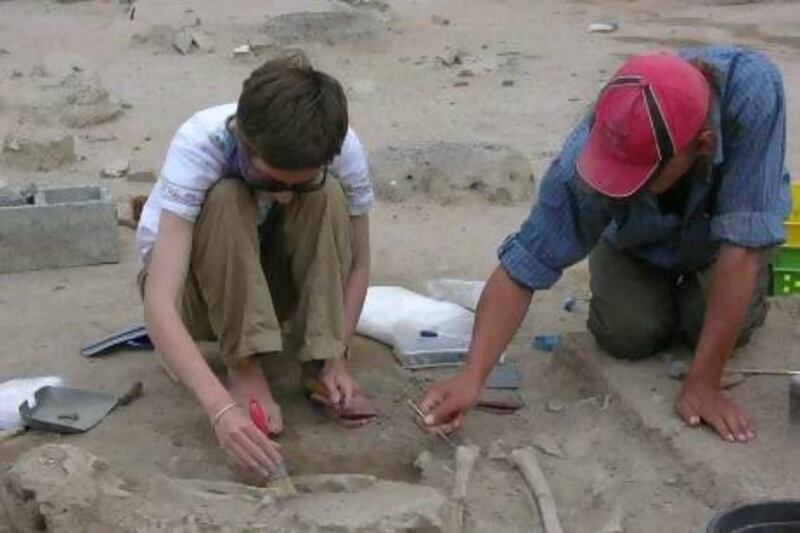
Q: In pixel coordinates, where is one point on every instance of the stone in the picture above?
(202, 41)
(86, 102)
(116, 169)
(39, 149)
(183, 42)
(67, 489)
(548, 445)
(499, 450)
(440, 21)
(603, 27)
(10, 197)
(555, 406)
(63, 227)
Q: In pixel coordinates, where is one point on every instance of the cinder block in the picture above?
(64, 227)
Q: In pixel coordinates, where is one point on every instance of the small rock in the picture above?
(10, 197)
(603, 27)
(242, 51)
(116, 169)
(461, 84)
(203, 41)
(440, 21)
(466, 73)
(183, 41)
(507, 83)
(555, 406)
(456, 57)
(729, 381)
(677, 370)
(141, 176)
(548, 445)
(423, 460)
(498, 450)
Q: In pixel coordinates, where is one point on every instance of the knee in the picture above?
(330, 197)
(631, 337)
(229, 193)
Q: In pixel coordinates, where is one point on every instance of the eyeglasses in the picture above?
(273, 185)
(262, 182)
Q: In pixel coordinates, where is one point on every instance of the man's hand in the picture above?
(445, 403)
(341, 387)
(246, 444)
(701, 401)
(732, 288)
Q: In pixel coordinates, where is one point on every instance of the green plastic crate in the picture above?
(787, 259)
(785, 282)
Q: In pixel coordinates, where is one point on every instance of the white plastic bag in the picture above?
(14, 392)
(393, 312)
(461, 292)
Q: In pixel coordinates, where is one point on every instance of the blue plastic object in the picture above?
(546, 343)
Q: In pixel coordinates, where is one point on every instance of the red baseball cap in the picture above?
(654, 105)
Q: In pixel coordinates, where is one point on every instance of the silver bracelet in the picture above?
(222, 412)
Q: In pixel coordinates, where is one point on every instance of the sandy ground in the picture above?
(407, 105)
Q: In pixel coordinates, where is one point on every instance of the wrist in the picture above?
(703, 371)
(473, 375)
(214, 402)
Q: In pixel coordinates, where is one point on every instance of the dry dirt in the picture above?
(437, 88)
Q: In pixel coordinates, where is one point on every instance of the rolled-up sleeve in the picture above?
(753, 196)
(562, 227)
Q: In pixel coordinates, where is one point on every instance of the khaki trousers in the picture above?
(278, 287)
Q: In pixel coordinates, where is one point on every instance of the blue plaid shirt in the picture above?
(740, 197)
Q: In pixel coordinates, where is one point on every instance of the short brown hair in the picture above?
(293, 115)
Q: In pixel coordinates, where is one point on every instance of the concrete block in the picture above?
(64, 227)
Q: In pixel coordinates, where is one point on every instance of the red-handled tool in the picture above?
(257, 416)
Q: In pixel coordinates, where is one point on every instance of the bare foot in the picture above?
(247, 381)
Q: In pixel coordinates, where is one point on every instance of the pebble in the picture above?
(115, 169)
(555, 406)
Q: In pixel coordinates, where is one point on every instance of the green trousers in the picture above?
(637, 310)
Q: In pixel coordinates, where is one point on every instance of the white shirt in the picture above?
(203, 151)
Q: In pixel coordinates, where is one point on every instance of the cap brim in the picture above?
(608, 175)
